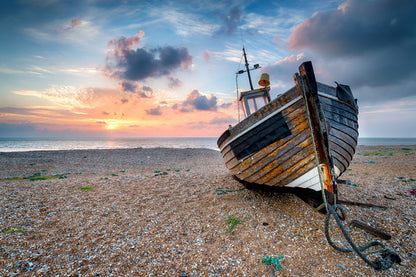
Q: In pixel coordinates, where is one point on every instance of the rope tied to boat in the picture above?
(388, 257)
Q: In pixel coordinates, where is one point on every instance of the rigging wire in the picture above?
(236, 75)
(236, 84)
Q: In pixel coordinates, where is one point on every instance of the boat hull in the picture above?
(275, 146)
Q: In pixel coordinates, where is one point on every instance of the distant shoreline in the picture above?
(50, 144)
(386, 147)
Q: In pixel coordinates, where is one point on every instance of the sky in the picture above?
(168, 68)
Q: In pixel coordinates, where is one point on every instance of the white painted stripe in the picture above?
(337, 171)
(263, 120)
(328, 96)
(309, 180)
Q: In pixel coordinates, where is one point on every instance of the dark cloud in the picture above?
(105, 113)
(226, 105)
(124, 101)
(230, 21)
(101, 122)
(363, 43)
(357, 27)
(129, 86)
(148, 89)
(195, 100)
(131, 64)
(133, 87)
(142, 94)
(155, 111)
(174, 82)
(369, 41)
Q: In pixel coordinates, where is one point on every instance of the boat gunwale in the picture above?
(227, 140)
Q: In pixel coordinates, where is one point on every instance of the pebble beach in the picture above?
(178, 212)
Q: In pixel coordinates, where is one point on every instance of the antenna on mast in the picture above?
(256, 66)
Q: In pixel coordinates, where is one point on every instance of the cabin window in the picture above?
(252, 104)
(254, 100)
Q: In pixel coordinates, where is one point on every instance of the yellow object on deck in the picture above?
(264, 80)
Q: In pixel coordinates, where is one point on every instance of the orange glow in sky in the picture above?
(168, 68)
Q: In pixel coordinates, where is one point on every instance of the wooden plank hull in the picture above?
(274, 146)
(342, 118)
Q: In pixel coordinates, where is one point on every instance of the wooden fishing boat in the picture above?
(301, 141)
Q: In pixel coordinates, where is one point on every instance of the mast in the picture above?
(247, 69)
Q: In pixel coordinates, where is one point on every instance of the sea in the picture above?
(40, 144)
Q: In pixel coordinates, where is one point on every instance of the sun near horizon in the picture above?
(111, 127)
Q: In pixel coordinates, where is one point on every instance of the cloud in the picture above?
(39, 112)
(129, 86)
(195, 100)
(369, 42)
(154, 111)
(281, 72)
(80, 71)
(133, 87)
(365, 44)
(215, 123)
(11, 71)
(66, 96)
(77, 99)
(74, 23)
(148, 89)
(127, 63)
(206, 55)
(174, 82)
(186, 24)
(123, 44)
(36, 70)
(356, 28)
(77, 30)
(226, 105)
(230, 21)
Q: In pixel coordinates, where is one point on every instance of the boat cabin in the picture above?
(253, 100)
